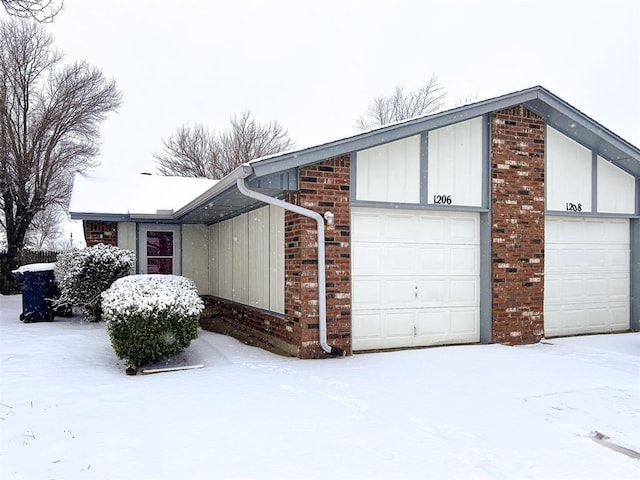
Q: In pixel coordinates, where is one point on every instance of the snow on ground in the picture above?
(67, 410)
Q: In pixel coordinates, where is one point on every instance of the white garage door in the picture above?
(586, 276)
(415, 278)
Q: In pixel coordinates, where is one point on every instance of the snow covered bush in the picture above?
(82, 276)
(151, 316)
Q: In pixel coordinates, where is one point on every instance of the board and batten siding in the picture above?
(390, 172)
(454, 164)
(195, 254)
(246, 261)
(568, 173)
(616, 189)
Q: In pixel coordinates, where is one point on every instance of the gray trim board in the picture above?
(354, 175)
(594, 182)
(417, 206)
(486, 160)
(634, 297)
(424, 168)
(486, 294)
(562, 213)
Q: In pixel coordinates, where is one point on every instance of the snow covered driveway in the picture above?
(68, 411)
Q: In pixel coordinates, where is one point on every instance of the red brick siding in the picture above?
(323, 186)
(517, 211)
(100, 232)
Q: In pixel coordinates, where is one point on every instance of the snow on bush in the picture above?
(82, 276)
(151, 316)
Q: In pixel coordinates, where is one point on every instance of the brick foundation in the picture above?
(517, 212)
(251, 322)
(100, 232)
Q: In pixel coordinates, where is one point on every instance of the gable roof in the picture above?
(276, 174)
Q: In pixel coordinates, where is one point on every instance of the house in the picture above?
(506, 221)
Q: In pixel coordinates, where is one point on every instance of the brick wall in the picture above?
(100, 232)
(517, 211)
(323, 186)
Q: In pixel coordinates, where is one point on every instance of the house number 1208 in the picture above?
(574, 207)
(442, 199)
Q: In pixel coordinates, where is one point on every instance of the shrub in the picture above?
(151, 316)
(82, 276)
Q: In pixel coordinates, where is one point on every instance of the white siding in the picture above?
(455, 164)
(390, 172)
(616, 189)
(225, 260)
(568, 173)
(240, 251)
(587, 268)
(258, 273)
(276, 259)
(195, 256)
(214, 258)
(247, 259)
(127, 238)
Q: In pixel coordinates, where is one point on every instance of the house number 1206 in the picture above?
(574, 207)
(442, 199)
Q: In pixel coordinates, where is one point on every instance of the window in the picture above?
(159, 247)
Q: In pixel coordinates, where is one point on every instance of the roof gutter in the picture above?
(322, 291)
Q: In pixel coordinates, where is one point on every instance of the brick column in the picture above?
(100, 232)
(517, 212)
(323, 186)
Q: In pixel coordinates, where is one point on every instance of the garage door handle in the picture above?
(416, 292)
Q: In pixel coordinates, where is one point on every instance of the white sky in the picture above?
(315, 66)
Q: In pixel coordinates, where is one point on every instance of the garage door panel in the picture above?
(464, 291)
(459, 325)
(366, 294)
(464, 230)
(465, 323)
(397, 293)
(367, 327)
(398, 325)
(366, 260)
(424, 269)
(587, 275)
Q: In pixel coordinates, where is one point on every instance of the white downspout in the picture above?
(322, 291)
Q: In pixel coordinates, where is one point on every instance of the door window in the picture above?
(159, 249)
(159, 252)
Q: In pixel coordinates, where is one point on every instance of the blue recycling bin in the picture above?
(37, 285)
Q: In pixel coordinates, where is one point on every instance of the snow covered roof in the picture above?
(105, 194)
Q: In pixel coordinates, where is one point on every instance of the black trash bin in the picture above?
(37, 285)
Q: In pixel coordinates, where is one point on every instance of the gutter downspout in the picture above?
(322, 292)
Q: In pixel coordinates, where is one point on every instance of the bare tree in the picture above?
(46, 228)
(39, 10)
(198, 152)
(466, 99)
(191, 152)
(49, 119)
(402, 105)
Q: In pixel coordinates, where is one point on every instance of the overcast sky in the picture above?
(315, 66)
